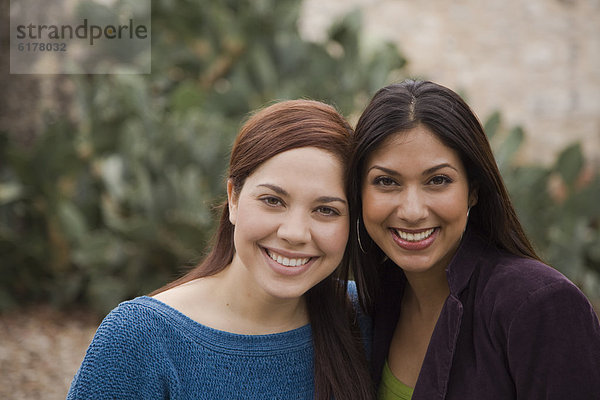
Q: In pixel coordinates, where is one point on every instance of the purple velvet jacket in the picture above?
(512, 328)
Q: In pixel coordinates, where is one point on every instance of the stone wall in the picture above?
(537, 61)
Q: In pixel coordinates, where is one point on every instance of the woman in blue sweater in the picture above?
(265, 315)
(462, 306)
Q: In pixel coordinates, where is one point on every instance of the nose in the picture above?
(412, 206)
(295, 228)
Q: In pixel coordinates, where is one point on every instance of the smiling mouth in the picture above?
(286, 261)
(414, 237)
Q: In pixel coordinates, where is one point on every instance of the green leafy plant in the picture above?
(557, 204)
(113, 203)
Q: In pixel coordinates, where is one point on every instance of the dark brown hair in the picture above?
(404, 106)
(339, 360)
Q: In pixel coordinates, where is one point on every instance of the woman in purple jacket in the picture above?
(462, 306)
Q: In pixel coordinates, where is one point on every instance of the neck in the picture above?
(250, 310)
(426, 292)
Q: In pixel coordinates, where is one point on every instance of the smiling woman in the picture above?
(290, 229)
(462, 306)
(415, 197)
(265, 315)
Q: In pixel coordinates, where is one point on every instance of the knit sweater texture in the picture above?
(145, 349)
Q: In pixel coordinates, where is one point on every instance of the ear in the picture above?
(232, 202)
(473, 195)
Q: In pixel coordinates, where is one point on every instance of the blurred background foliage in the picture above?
(557, 204)
(111, 203)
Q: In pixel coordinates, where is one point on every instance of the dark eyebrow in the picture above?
(330, 199)
(437, 167)
(426, 172)
(280, 191)
(383, 169)
(275, 188)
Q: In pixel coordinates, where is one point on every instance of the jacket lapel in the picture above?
(387, 308)
(433, 383)
(435, 372)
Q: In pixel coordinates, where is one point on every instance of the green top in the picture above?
(391, 388)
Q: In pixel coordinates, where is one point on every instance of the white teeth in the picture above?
(288, 262)
(414, 237)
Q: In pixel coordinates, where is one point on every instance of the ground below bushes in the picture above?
(40, 351)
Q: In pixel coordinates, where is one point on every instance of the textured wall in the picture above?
(538, 61)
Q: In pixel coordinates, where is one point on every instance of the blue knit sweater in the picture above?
(145, 349)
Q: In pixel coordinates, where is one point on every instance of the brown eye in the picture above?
(383, 181)
(271, 201)
(327, 211)
(440, 180)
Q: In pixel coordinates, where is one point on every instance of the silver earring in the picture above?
(358, 235)
(468, 211)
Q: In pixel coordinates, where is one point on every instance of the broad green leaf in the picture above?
(10, 192)
(72, 221)
(509, 147)
(492, 124)
(569, 164)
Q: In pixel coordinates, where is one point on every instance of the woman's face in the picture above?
(415, 197)
(291, 222)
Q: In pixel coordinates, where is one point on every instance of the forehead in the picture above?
(414, 147)
(302, 157)
(305, 167)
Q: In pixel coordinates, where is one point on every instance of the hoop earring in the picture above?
(358, 235)
(466, 224)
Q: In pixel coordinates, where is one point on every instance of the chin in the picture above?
(287, 293)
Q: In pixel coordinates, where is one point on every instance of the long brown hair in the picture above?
(339, 361)
(401, 107)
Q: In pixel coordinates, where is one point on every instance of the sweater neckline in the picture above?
(280, 342)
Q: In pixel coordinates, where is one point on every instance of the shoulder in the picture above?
(364, 321)
(352, 292)
(542, 319)
(140, 327)
(492, 271)
(513, 279)
(126, 355)
(511, 290)
(137, 315)
(131, 327)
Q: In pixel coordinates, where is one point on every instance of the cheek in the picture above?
(374, 208)
(453, 207)
(252, 225)
(333, 238)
